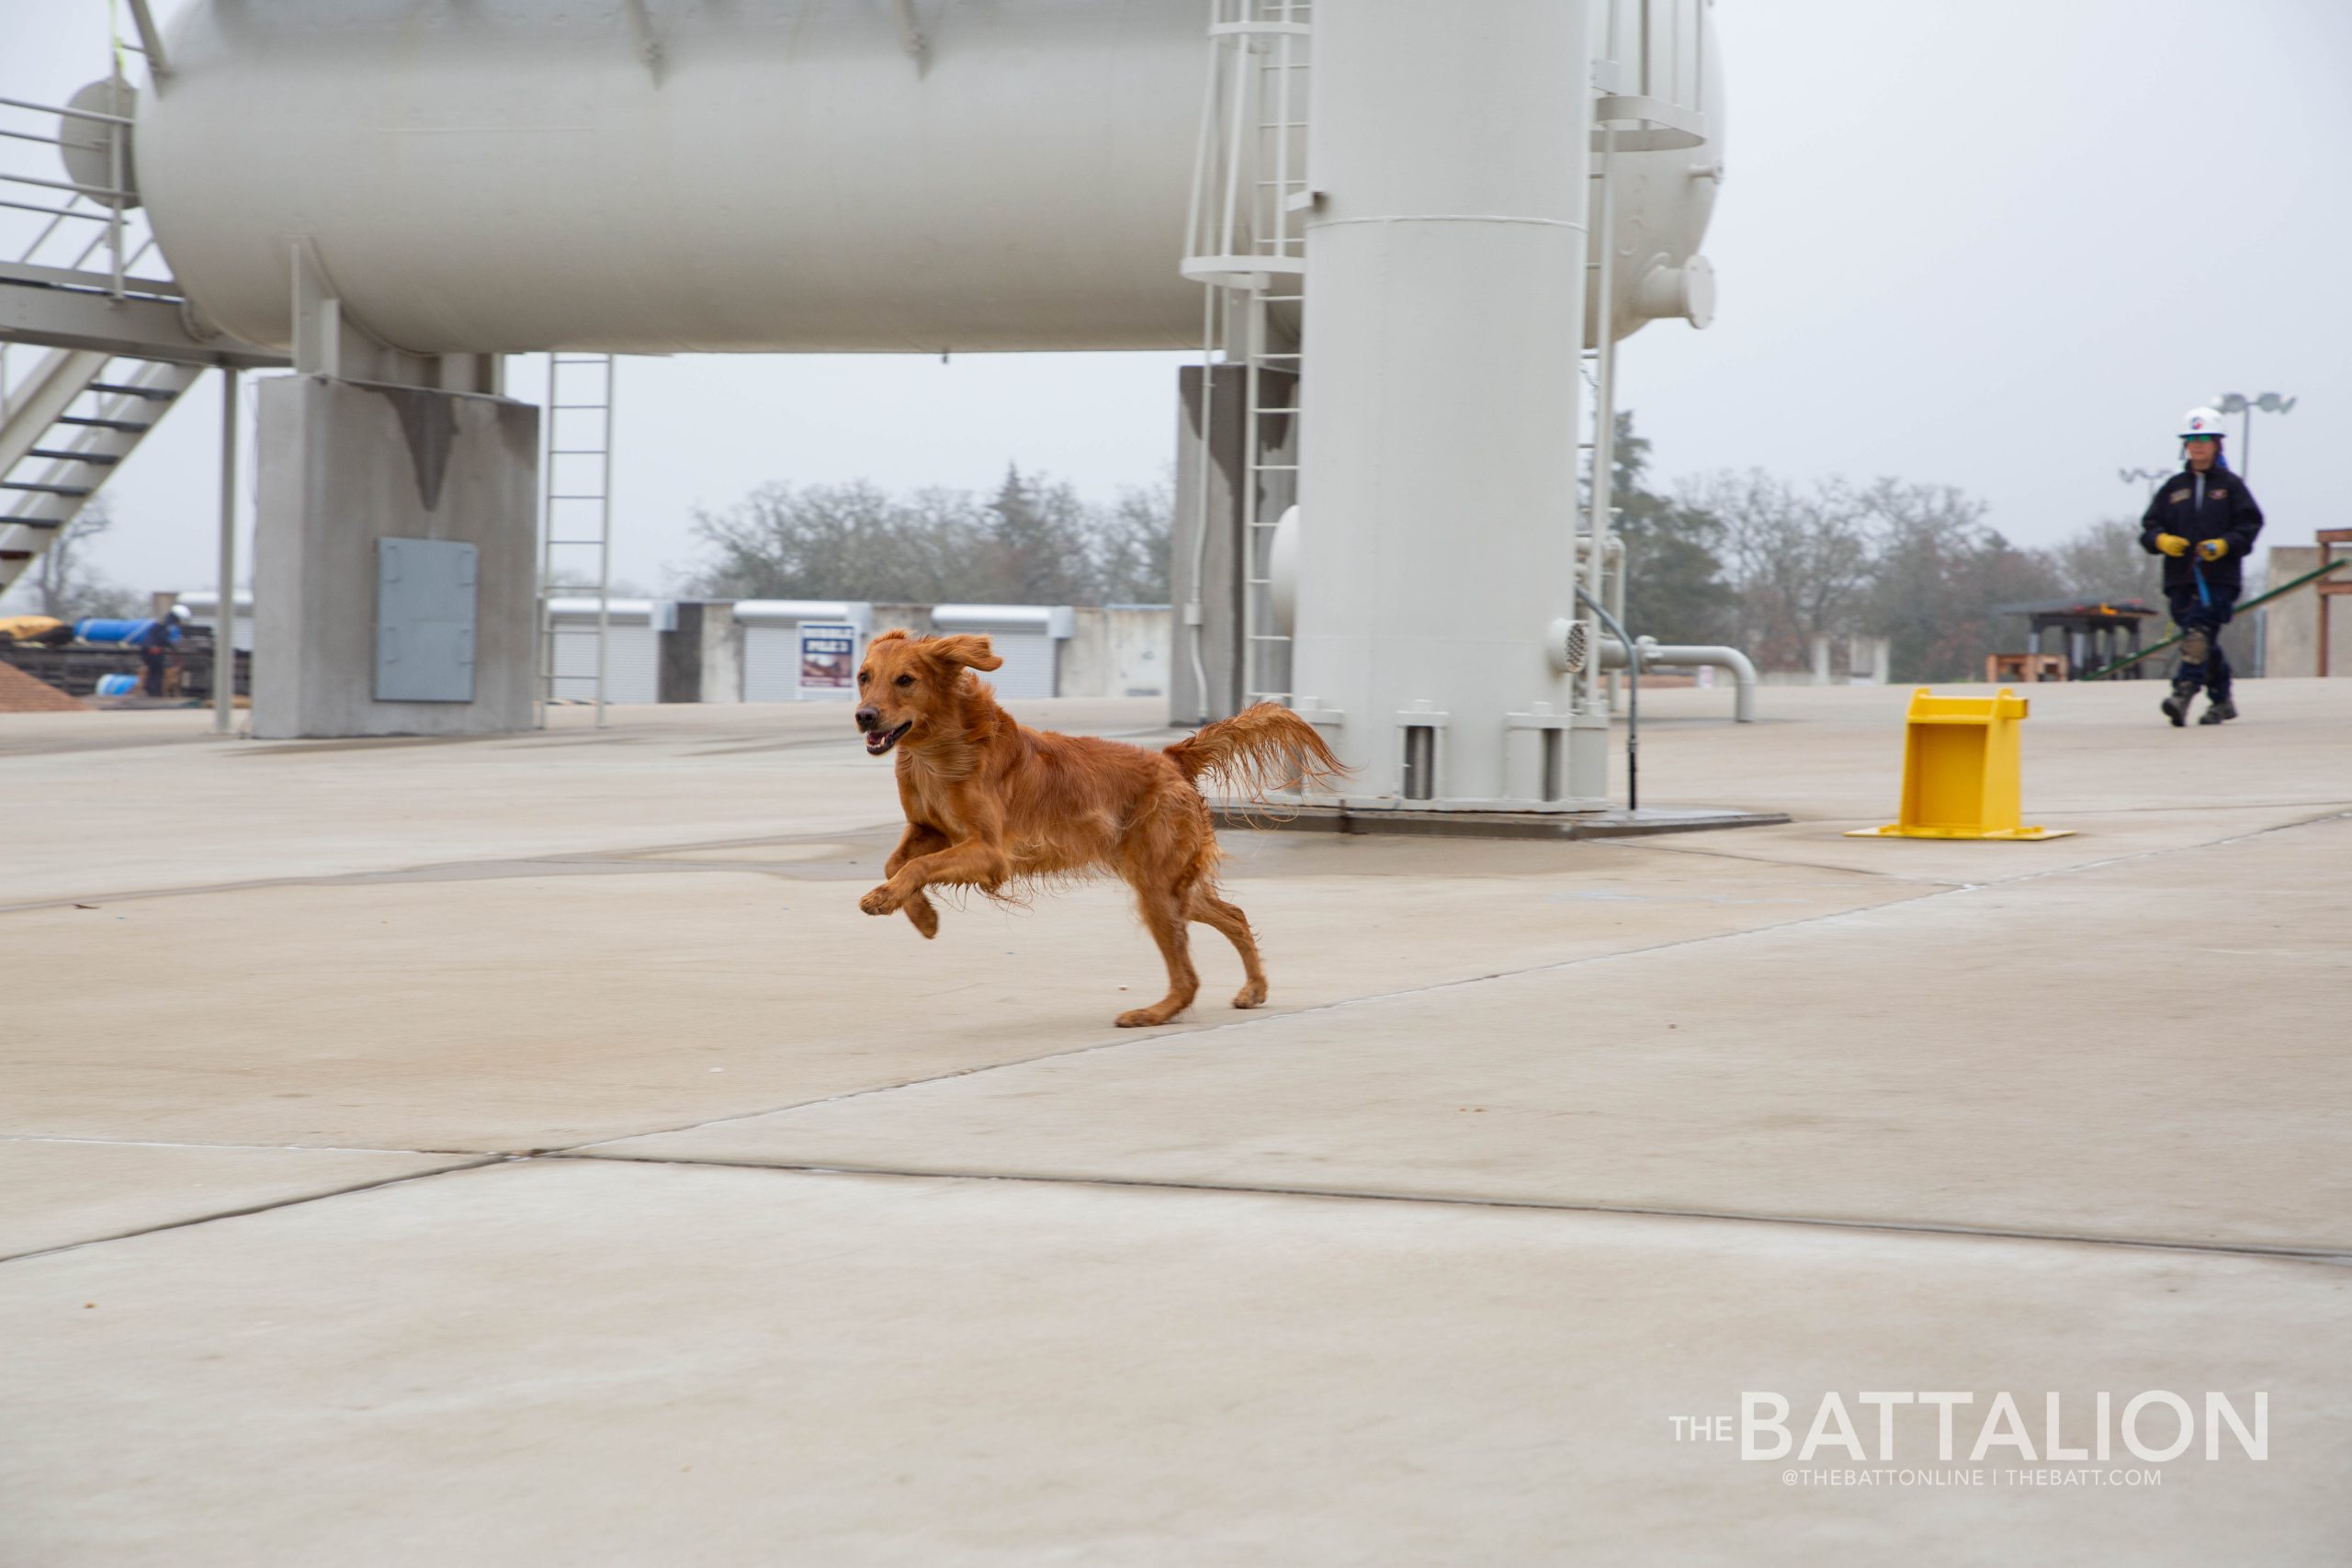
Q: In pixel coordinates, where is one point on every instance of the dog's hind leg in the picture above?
(1164, 916)
(1212, 910)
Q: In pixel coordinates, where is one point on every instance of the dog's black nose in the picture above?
(869, 717)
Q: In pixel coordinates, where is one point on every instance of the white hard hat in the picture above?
(179, 612)
(2202, 424)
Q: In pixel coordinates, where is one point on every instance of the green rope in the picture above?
(2155, 647)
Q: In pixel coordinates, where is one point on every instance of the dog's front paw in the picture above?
(920, 910)
(883, 900)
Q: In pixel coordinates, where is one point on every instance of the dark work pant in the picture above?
(2192, 615)
(153, 683)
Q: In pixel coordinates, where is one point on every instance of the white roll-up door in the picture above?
(632, 663)
(771, 664)
(1028, 656)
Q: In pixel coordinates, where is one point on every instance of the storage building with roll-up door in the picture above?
(1028, 637)
(632, 653)
(798, 650)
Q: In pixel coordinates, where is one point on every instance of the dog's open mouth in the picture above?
(880, 741)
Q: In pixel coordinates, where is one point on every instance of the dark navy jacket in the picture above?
(2225, 510)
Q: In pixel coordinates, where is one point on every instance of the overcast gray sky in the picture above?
(2000, 244)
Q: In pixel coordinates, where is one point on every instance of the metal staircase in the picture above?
(1245, 239)
(94, 350)
(78, 414)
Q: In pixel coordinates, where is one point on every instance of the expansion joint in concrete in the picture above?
(1542, 1205)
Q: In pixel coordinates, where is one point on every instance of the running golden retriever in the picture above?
(991, 804)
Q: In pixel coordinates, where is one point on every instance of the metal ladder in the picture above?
(576, 513)
(70, 424)
(1612, 565)
(1246, 241)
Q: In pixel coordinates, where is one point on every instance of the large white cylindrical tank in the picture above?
(649, 178)
(1444, 274)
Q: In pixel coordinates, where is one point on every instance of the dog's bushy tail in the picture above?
(1260, 749)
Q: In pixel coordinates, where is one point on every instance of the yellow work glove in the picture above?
(2172, 543)
(2213, 549)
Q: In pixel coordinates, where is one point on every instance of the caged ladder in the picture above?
(1245, 239)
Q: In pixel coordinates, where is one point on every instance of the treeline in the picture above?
(1766, 565)
(1034, 541)
(1763, 563)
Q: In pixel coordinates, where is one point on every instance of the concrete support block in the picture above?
(2291, 641)
(702, 654)
(1084, 668)
(1139, 641)
(342, 465)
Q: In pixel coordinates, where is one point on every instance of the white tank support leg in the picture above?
(1445, 263)
(224, 619)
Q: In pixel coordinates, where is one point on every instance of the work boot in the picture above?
(2220, 710)
(2176, 705)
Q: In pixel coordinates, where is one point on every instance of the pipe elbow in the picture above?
(1743, 670)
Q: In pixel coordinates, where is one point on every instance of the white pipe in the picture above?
(1656, 655)
(1604, 415)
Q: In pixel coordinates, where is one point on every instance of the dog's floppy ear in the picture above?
(969, 648)
(895, 634)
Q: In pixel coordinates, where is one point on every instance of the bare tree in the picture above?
(1801, 559)
(1040, 534)
(65, 585)
(1941, 576)
(1131, 545)
(1034, 541)
(2104, 560)
(834, 541)
(1915, 563)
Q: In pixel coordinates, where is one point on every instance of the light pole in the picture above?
(2239, 403)
(2151, 477)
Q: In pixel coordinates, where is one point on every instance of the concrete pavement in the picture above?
(520, 1151)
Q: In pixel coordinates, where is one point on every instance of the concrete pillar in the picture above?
(1450, 150)
(342, 466)
(722, 655)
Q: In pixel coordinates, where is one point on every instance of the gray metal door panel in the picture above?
(426, 594)
(771, 664)
(632, 663)
(1028, 656)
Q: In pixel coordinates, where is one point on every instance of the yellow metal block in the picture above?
(1959, 771)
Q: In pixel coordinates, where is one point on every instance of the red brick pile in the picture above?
(19, 693)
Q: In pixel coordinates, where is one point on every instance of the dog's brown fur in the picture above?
(991, 803)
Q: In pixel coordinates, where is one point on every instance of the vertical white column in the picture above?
(224, 618)
(1445, 266)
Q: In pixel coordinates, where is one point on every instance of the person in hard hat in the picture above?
(2203, 524)
(154, 641)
